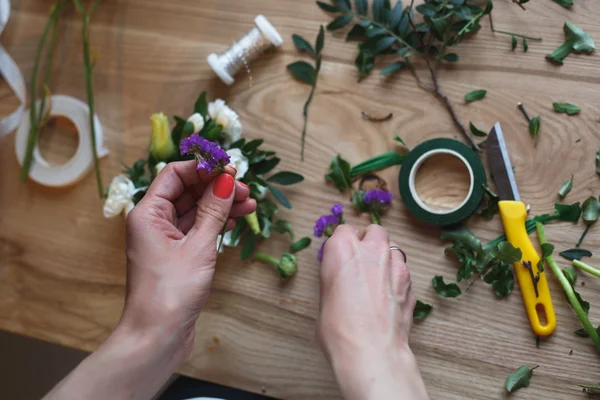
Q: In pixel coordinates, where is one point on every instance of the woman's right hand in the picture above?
(366, 314)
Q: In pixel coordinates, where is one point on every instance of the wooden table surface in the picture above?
(62, 265)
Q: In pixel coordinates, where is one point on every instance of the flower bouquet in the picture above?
(213, 135)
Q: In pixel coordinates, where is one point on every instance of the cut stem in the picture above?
(587, 268)
(266, 258)
(587, 228)
(568, 290)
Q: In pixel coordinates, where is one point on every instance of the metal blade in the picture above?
(500, 166)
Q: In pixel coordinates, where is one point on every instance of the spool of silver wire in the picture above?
(260, 38)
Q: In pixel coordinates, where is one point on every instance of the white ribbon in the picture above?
(13, 76)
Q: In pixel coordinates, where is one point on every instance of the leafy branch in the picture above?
(394, 31)
(307, 73)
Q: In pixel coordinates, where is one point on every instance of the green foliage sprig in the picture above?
(306, 73)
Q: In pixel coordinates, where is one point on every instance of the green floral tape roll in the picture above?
(413, 162)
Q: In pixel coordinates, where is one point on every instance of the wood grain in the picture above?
(62, 265)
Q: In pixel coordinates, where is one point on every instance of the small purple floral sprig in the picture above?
(325, 225)
(376, 202)
(209, 155)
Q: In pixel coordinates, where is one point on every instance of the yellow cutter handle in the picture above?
(513, 215)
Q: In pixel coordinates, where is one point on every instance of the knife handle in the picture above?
(513, 215)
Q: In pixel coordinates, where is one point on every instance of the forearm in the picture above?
(131, 364)
(386, 376)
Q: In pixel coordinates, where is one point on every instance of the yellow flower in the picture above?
(162, 147)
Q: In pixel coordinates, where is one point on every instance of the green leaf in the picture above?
(534, 126)
(303, 71)
(598, 161)
(393, 67)
(508, 253)
(582, 42)
(376, 163)
(238, 231)
(280, 197)
(365, 61)
(339, 22)
(513, 43)
(566, 212)
(547, 250)
(252, 146)
(427, 9)
(361, 6)
(300, 245)
(328, 7)
(377, 44)
(501, 278)
(303, 45)
(590, 389)
(285, 178)
(489, 204)
(475, 95)
(238, 144)
(181, 130)
(379, 11)
(283, 226)
(464, 12)
(519, 379)
(591, 210)
(399, 140)
(343, 4)
(566, 108)
(583, 333)
(445, 290)
(575, 254)
(358, 200)
(265, 166)
(451, 57)
(564, 3)
(571, 275)
(201, 105)
(525, 45)
(248, 246)
(396, 16)
(475, 131)
(320, 42)
(339, 173)
(357, 32)
(421, 310)
(265, 227)
(565, 188)
(558, 55)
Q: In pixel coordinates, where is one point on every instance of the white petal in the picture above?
(159, 167)
(128, 207)
(197, 120)
(215, 107)
(228, 242)
(239, 162)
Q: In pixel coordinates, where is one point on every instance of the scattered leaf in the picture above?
(283, 226)
(475, 95)
(583, 333)
(285, 178)
(547, 250)
(565, 188)
(476, 132)
(339, 173)
(514, 43)
(534, 127)
(598, 161)
(564, 3)
(303, 71)
(519, 379)
(591, 210)
(566, 108)
(525, 45)
(422, 310)
(575, 254)
(571, 275)
(445, 290)
(451, 57)
(399, 140)
(300, 245)
(489, 204)
(575, 39)
(568, 212)
(508, 253)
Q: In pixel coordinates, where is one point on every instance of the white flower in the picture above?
(227, 241)
(228, 119)
(198, 120)
(120, 196)
(239, 162)
(261, 191)
(159, 167)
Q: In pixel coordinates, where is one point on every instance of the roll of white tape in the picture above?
(73, 170)
(13, 76)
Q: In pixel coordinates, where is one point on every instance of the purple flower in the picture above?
(320, 252)
(324, 222)
(208, 154)
(337, 210)
(379, 197)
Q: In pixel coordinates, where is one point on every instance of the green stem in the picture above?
(87, 61)
(583, 235)
(222, 238)
(266, 258)
(305, 111)
(375, 217)
(568, 290)
(33, 118)
(382, 27)
(587, 268)
(518, 35)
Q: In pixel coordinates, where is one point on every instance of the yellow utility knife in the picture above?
(538, 303)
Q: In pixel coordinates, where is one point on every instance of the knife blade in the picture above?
(500, 165)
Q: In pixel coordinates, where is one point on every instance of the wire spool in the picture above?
(260, 38)
(407, 181)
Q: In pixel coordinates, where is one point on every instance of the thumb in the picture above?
(213, 209)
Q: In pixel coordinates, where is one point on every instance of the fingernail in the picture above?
(244, 185)
(223, 186)
(234, 170)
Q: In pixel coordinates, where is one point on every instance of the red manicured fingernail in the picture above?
(223, 186)
(234, 170)
(244, 185)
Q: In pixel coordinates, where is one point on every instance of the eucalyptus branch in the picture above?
(564, 282)
(307, 104)
(35, 118)
(88, 66)
(587, 268)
